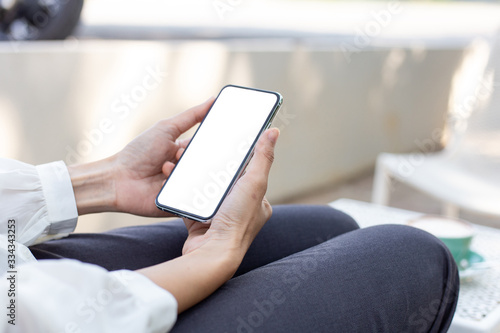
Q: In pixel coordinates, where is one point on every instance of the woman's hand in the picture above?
(245, 209)
(213, 252)
(144, 164)
(130, 180)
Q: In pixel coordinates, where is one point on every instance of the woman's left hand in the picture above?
(130, 180)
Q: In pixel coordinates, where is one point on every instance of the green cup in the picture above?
(459, 248)
(456, 234)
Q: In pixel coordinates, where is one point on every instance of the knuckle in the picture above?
(260, 182)
(269, 155)
(163, 123)
(267, 208)
(257, 184)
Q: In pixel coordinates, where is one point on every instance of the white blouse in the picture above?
(36, 204)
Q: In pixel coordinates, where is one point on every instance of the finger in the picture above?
(167, 168)
(263, 158)
(183, 142)
(188, 222)
(267, 209)
(179, 153)
(187, 119)
(194, 227)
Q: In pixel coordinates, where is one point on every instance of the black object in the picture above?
(38, 19)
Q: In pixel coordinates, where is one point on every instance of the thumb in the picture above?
(263, 158)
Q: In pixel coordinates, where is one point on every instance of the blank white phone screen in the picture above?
(211, 161)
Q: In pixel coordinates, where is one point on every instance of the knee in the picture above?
(412, 251)
(339, 217)
(323, 216)
(413, 241)
(416, 259)
(416, 237)
(428, 255)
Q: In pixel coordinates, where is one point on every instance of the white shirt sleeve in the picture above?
(39, 198)
(37, 203)
(70, 296)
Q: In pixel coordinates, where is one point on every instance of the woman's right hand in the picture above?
(213, 252)
(245, 209)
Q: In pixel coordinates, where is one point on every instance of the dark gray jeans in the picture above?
(310, 269)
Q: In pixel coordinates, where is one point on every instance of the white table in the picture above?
(478, 307)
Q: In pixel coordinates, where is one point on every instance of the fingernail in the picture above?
(273, 135)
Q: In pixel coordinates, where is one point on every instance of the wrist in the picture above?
(192, 277)
(228, 256)
(235, 241)
(94, 186)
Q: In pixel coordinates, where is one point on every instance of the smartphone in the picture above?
(218, 152)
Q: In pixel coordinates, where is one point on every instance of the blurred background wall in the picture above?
(353, 84)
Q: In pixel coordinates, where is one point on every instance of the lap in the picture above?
(380, 279)
(308, 270)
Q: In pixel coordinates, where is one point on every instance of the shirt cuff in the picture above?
(160, 304)
(59, 196)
